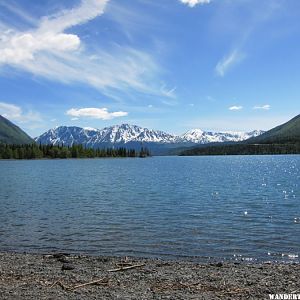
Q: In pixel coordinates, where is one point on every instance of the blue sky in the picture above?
(171, 65)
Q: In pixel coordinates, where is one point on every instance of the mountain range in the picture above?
(132, 136)
(282, 139)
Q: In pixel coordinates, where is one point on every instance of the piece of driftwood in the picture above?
(126, 268)
(98, 281)
(71, 288)
(123, 264)
(60, 284)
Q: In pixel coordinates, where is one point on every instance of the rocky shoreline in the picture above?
(64, 276)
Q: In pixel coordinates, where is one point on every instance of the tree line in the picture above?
(244, 149)
(34, 151)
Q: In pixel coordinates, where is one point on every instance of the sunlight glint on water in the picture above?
(220, 207)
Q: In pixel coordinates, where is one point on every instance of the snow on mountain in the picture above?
(110, 135)
(122, 134)
(131, 133)
(204, 137)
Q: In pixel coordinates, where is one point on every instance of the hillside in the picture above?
(288, 132)
(283, 139)
(12, 134)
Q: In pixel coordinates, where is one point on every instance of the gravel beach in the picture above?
(63, 276)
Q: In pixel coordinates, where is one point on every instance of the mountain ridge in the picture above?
(12, 134)
(126, 134)
(284, 133)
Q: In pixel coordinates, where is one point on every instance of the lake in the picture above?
(227, 207)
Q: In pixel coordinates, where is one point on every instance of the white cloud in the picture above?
(228, 62)
(23, 46)
(235, 107)
(262, 107)
(48, 51)
(86, 11)
(192, 3)
(95, 113)
(15, 113)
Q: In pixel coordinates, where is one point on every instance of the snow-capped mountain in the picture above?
(118, 134)
(129, 134)
(66, 135)
(198, 136)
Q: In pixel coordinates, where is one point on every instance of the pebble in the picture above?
(63, 260)
(67, 267)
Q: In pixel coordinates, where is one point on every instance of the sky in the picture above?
(172, 65)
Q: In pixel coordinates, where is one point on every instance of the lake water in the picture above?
(229, 207)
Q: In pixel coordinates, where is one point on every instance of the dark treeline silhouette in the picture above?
(34, 151)
(245, 149)
(144, 152)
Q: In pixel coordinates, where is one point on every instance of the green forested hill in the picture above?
(12, 134)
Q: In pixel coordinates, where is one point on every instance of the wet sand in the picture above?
(63, 276)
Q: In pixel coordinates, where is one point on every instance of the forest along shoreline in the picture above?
(64, 276)
(34, 151)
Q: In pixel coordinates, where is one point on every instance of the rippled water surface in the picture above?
(242, 207)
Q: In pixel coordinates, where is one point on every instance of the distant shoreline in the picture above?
(243, 149)
(34, 151)
(64, 276)
(63, 159)
(137, 157)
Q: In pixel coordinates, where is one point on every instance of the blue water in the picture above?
(230, 207)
